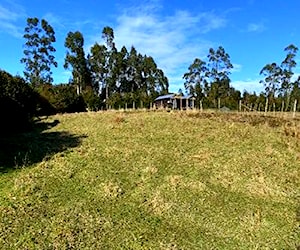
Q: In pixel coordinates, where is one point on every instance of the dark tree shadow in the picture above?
(24, 149)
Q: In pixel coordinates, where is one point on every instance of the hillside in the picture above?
(152, 180)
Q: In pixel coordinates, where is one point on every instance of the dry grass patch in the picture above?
(112, 190)
(173, 182)
(157, 204)
(260, 185)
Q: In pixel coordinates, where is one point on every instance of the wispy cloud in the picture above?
(250, 85)
(54, 20)
(236, 67)
(256, 27)
(9, 15)
(173, 40)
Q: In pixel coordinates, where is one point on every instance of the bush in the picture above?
(65, 99)
(93, 101)
(18, 102)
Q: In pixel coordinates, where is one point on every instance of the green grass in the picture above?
(152, 180)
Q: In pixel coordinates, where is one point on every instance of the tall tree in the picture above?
(120, 70)
(195, 77)
(125, 76)
(39, 58)
(97, 61)
(75, 58)
(108, 36)
(110, 60)
(153, 80)
(161, 82)
(287, 66)
(272, 73)
(132, 68)
(219, 67)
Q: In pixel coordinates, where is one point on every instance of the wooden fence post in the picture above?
(295, 108)
(266, 106)
(180, 102)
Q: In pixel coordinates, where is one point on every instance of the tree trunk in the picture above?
(295, 108)
(106, 96)
(266, 106)
(282, 106)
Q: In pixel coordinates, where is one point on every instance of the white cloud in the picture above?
(295, 76)
(236, 67)
(173, 40)
(54, 20)
(6, 14)
(250, 85)
(256, 27)
(9, 15)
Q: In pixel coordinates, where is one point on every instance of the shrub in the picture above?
(18, 102)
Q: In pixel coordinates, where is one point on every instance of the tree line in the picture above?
(103, 78)
(106, 77)
(209, 81)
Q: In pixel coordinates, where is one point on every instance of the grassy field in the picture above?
(152, 180)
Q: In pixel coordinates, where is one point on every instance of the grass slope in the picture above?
(154, 180)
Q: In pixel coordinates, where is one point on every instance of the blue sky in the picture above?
(174, 33)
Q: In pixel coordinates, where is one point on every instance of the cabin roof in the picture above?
(172, 96)
(162, 97)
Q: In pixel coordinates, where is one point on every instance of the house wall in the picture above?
(176, 103)
(165, 103)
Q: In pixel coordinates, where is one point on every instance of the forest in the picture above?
(108, 78)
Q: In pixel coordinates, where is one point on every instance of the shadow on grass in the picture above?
(23, 149)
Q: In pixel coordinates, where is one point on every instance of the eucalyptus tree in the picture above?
(97, 62)
(195, 79)
(121, 70)
(153, 79)
(162, 82)
(75, 58)
(132, 69)
(110, 60)
(272, 81)
(124, 76)
(295, 94)
(38, 53)
(218, 72)
(287, 66)
(144, 77)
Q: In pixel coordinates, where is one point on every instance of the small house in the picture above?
(175, 101)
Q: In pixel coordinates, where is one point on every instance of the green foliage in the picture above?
(38, 51)
(92, 100)
(272, 73)
(209, 81)
(75, 59)
(65, 99)
(278, 78)
(18, 103)
(125, 77)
